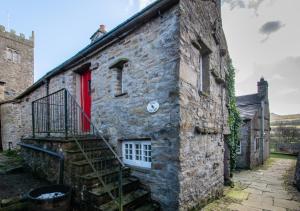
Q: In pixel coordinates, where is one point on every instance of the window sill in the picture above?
(206, 94)
(139, 169)
(122, 94)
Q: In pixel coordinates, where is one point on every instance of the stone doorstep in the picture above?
(289, 204)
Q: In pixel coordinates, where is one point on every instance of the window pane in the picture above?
(138, 152)
(147, 152)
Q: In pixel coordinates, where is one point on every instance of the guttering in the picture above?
(51, 153)
(153, 10)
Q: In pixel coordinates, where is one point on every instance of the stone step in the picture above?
(77, 155)
(87, 143)
(108, 176)
(149, 206)
(130, 201)
(100, 196)
(81, 167)
(113, 186)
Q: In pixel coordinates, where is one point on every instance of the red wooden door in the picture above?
(86, 100)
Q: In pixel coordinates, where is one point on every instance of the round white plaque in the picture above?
(153, 106)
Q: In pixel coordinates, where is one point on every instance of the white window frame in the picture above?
(131, 157)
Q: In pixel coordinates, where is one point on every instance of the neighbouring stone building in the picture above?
(253, 148)
(16, 74)
(154, 85)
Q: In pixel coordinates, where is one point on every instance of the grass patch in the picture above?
(283, 156)
(11, 153)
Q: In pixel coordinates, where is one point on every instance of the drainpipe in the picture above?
(262, 130)
(51, 153)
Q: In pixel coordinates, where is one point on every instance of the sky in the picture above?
(262, 37)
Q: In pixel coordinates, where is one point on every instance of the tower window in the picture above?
(12, 55)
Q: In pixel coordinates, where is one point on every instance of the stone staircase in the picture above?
(90, 194)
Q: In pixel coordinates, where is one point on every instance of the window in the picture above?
(239, 148)
(12, 55)
(118, 68)
(137, 153)
(119, 82)
(202, 52)
(256, 143)
(203, 80)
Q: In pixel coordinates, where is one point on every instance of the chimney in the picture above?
(262, 88)
(102, 29)
(99, 33)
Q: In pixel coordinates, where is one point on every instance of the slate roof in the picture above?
(248, 105)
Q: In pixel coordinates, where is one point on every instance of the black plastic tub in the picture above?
(50, 198)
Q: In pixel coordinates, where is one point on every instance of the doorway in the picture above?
(86, 99)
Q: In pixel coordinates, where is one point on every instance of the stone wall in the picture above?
(203, 116)
(10, 125)
(17, 66)
(150, 74)
(297, 173)
(243, 158)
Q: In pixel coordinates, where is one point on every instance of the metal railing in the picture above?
(58, 114)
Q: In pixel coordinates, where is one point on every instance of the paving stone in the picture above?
(289, 204)
(253, 190)
(238, 195)
(266, 189)
(239, 207)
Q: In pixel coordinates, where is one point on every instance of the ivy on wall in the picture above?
(234, 116)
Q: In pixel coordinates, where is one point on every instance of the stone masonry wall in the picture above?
(150, 74)
(243, 159)
(10, 124)
(17, 74)
(203, 117)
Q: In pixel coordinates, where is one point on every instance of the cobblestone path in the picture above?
(267, 188)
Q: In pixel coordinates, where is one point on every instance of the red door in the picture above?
(86, 100)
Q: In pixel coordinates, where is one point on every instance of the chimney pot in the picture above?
(102, 28)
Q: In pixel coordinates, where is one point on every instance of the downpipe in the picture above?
(51, 153)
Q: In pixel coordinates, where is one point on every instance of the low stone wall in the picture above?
(297, 173)
(289, 148)
(44, 165)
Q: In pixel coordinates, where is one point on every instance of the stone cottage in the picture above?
(253, 148)
(151, 93)
(16, 74)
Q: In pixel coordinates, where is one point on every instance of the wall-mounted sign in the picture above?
(153, 106)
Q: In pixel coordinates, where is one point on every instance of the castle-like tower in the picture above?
(16, 63)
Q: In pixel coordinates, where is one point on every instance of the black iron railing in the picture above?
(58, 114)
